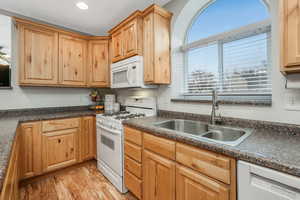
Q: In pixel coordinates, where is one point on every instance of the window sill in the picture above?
(265, 102)
(6, 88)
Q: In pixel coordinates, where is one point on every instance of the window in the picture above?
(5, 48)
(228, 49)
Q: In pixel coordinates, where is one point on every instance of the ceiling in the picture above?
(101, 16)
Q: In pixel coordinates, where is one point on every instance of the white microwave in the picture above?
(128, 73)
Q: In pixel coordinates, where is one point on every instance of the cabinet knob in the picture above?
(59, 140)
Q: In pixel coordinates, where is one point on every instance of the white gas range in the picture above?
(110, 137)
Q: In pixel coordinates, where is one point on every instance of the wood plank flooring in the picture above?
(83, 182)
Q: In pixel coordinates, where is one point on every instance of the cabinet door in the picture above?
(72, 60)
(159, 177)
(149, 51)
(31, 156)
(130, 39)
(117, 46)
(60, 149)
(98, 64)
(291, 33)
(38, 60)
(156, 31)
(88, 138)
(191, 185)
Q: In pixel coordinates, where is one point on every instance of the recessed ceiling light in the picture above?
(81, 5)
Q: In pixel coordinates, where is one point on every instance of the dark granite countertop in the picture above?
(264, 147)
(9, 122)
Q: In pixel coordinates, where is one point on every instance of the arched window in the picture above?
(228, 49)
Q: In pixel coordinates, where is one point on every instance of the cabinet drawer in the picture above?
(160, 146)
(133, 184)
(205, 162)
(61, 124)
(133, 151)
(133, 135)
(133, 167)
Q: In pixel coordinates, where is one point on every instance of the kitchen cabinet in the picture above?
(59, 149)
(170, 169)
(31, 156)
(43, 146)
(10, 187)
(133, 161)
(156, 39)
(191, 185)
(127, 37)
(99, 70)
(38, 55)
(158, 177)
(88, 138)
(49, 56)
(117, 47)
(72, 60)
(132, 33)
(290, 36)
(60, 143)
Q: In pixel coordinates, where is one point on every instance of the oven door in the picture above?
(125, 76)
(111, 148)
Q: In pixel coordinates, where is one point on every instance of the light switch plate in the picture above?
(292, 100)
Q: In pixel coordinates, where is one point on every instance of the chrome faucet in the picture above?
(215, 106)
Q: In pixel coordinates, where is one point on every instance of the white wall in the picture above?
(36, 97)
(184, 11)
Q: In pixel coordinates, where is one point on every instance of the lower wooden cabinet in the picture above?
(158, 177)
(10, 187)
(30, 143)
(172, 170)
(191, 185)
(87, 139)
(133, 184)
(60, 149)
(43, 146)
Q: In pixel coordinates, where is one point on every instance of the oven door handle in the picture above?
(113, 132)
(127, 75)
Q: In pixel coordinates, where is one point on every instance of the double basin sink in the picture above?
(220, 134)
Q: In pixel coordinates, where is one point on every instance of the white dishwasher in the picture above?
(259, 183)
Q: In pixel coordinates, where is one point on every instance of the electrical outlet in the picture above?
(292, 100)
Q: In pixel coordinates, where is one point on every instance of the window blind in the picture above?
(233, 67)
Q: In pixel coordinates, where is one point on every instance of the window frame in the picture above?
(220, 39)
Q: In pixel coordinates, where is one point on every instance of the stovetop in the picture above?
(122, 115)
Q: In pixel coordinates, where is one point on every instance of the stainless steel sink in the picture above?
(219, 134)
(186, 126)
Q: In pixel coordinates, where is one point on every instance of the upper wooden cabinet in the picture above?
(38, 55)
(98, 75)
(290, 36)
(117, 47)
(127, 37)
(72, 60)
(157, 69)
(145, 33)
(50, 56)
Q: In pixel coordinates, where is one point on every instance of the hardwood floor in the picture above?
(80, 182)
